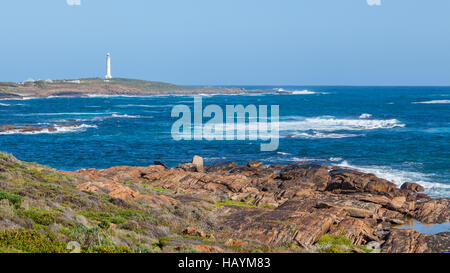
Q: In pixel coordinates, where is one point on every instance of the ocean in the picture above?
(398, 133)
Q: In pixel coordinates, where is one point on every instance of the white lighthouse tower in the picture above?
(108, 67)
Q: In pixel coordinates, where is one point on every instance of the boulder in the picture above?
(404, 241)
(197, 161)
(312, 226)
(414, 187)
(349, 181)
(435, 211)
(411, 241)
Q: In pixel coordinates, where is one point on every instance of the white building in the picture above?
(108, 67)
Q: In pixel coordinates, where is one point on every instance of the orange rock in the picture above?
(231, 243)
(207, 248)
(194, 232)
(119, 191)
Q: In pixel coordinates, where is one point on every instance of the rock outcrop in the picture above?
(226, 207)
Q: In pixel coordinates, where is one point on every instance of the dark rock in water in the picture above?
(9, 96)
(159, 163)
(25, 129)
(412, 187)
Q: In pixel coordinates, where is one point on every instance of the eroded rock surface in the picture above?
(299, 203)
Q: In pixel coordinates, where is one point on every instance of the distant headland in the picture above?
(99, 86)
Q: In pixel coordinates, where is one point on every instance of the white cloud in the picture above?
(73, 2)
(374, 2)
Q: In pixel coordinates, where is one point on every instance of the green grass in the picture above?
(338, 244)
(242, 204)
(163, 241)
(104, 217)
(39, 216)
(157, 189)
(14, 199)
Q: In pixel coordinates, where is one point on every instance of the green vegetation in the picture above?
(163, 241)
(30, 241)
(157, 189)
(338, 244)
(39, 216)
(14, 199)
(242, 204)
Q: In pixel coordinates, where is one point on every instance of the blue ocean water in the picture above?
(399, 133)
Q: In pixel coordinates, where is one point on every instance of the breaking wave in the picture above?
(319, 135)
(124, 116)
(401, 176)
(303, 92)
(335, 124)
(433, 102)
(365, 116)
(54, 130)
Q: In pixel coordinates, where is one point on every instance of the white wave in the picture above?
(73, 129)
(58, 130)
(433, 102)
(365, 116)
(4, 104)
(298, 92)
(305, 159)
(124, 116)
(335, 124)
(401, 176)
(283, 153)
(335, 159)
(319, 135)
(303, 92)
(63, 114)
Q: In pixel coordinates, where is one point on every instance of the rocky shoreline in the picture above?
(301, 207)
(100, 87)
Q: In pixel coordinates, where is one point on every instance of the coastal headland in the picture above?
(301, 207)
(97, 86)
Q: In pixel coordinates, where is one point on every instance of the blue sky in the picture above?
(224, 42)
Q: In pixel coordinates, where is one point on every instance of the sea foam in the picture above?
(401, 176)
(335, 124)
(433, 102)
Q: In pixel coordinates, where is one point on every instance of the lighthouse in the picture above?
(108, 67)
